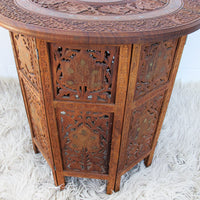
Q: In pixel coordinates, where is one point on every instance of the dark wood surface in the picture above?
(101, 22)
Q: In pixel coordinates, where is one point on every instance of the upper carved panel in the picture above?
(155, 66)
(84, 74)
(79, 18)
(126, 7)
(27, 58)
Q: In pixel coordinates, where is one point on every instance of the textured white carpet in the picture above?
(173, 175)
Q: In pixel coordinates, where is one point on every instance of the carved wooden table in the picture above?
(96, 78)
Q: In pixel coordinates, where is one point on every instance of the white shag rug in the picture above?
(173, 175)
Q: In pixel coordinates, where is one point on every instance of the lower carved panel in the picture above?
(85, 139)
(38, 121)
(142, 129)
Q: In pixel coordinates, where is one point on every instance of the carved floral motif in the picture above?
(189, 13)
(85, 140)
(119, 8)
(27, 58)
(155, 66)
(84, 74)
(28, 64)
(38, 120)
(142, 128)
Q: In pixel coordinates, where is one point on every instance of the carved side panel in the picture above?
(142, 129)
(85, 139)
(83, 74)
(155, 66)
(38, 120)
(27, 58)
(28, 68)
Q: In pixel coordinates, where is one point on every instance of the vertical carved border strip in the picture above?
(49, 108)
(23, 91)
(177, 58)
(121, 91)
(126, 123)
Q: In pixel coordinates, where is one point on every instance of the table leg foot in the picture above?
(113, 187)
(59, 180)
(35, 149)
(62, 187)
(117, 184)
(148, 160)
(110, 187)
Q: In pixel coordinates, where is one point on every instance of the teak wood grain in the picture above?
(96, 78)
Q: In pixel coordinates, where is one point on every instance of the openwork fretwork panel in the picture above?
(85, 139)
(155, 66)
(142, 128)
(27, 58)
(84, 74)
(38, 121)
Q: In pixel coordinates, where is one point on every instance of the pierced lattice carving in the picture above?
(126, 7)
(84, 74)
(155, 66)
(85, 139)
(27, 58)
(38, 120)
(142, 128)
